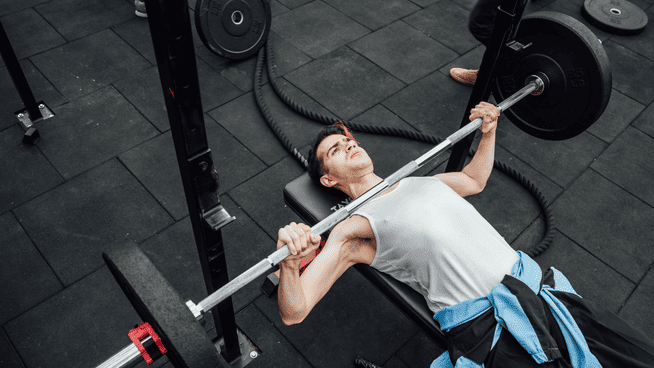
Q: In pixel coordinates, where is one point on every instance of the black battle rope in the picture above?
(270, 120)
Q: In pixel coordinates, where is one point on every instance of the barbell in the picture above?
(550, 78)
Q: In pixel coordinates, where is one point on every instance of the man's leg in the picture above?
(480, 24)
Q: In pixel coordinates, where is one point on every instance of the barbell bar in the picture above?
(535, 84)
(130, 356)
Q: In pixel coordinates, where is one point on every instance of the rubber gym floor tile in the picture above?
(561, 161)
(530, 239)
(78, 18)
(447, 23)
(352, 319)
(73, 223)
(29, 33)
(638, 309)
(345, 82)
(26, 173)
(136, 32)
(506, 205)
(631, 72)
(394, 362)
(277, 8)
(609, 223)
(374, 14)
(154, 164)
(641, 43)
(175, 254)
(85, 65)
(645, 121)
(91, 130)
(215, 90)
(79, 327)
(11, 6)
(286, 57)
(627, 162)
(145, 93)
(242, 119)
(468, 4)
(469, 60)
(21, 268)
(245, 245)
(11, 101)
(8, 355)
(275, 350)
(549, 188)
(434, 104)
(619, 113)
(317, 29)
(403, 51)
(292, 4)
(299, 130)
(420, 351)
(591, 278)
(262, 197)
(239, 72)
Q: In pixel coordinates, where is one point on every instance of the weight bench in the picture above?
(313, 203)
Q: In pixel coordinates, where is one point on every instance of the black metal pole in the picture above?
(17, 75)
(506, 23)
(170, 28)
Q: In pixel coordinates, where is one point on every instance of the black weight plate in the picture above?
(234, 29)
(578, 69)
(157, 303)
(615, 16)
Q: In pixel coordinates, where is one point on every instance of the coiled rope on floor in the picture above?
(274, 126)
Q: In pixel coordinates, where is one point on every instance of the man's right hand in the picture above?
(301, 242)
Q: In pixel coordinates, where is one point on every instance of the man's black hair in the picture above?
(315, 168)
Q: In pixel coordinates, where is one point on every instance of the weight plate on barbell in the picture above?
(576, 64)
(157, 303)
(615, 16)
(234, 29)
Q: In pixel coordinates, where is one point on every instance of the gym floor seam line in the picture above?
(636, 287)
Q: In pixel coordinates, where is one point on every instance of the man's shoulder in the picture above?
(354, 227)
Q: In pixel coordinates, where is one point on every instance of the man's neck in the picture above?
(362, 185)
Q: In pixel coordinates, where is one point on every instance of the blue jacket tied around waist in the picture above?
(515, 309)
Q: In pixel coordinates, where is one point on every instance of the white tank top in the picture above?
(436, 242)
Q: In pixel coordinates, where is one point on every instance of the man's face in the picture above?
(343, 160)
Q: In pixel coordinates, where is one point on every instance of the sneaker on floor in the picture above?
(465, 76)
(140, 8)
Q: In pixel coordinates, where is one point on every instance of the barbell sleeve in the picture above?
(130, 354)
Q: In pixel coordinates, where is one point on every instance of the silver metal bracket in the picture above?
(517, 46)
(218, 217)
(25, 119)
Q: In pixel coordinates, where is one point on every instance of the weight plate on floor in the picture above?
(234, 29)
(615, 16)
(578, 69)
(157, 303)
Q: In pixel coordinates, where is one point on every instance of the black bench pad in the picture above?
(314, 203)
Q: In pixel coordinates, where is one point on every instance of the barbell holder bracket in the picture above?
(217, 218)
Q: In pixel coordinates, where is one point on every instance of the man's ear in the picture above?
(327, 181)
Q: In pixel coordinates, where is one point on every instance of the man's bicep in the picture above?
(460, 182)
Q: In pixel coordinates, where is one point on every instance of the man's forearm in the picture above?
(292, 303)
(481, 165)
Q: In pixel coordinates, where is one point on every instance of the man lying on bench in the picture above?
(495, 305)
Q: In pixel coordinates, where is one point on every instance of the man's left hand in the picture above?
(489, 114)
